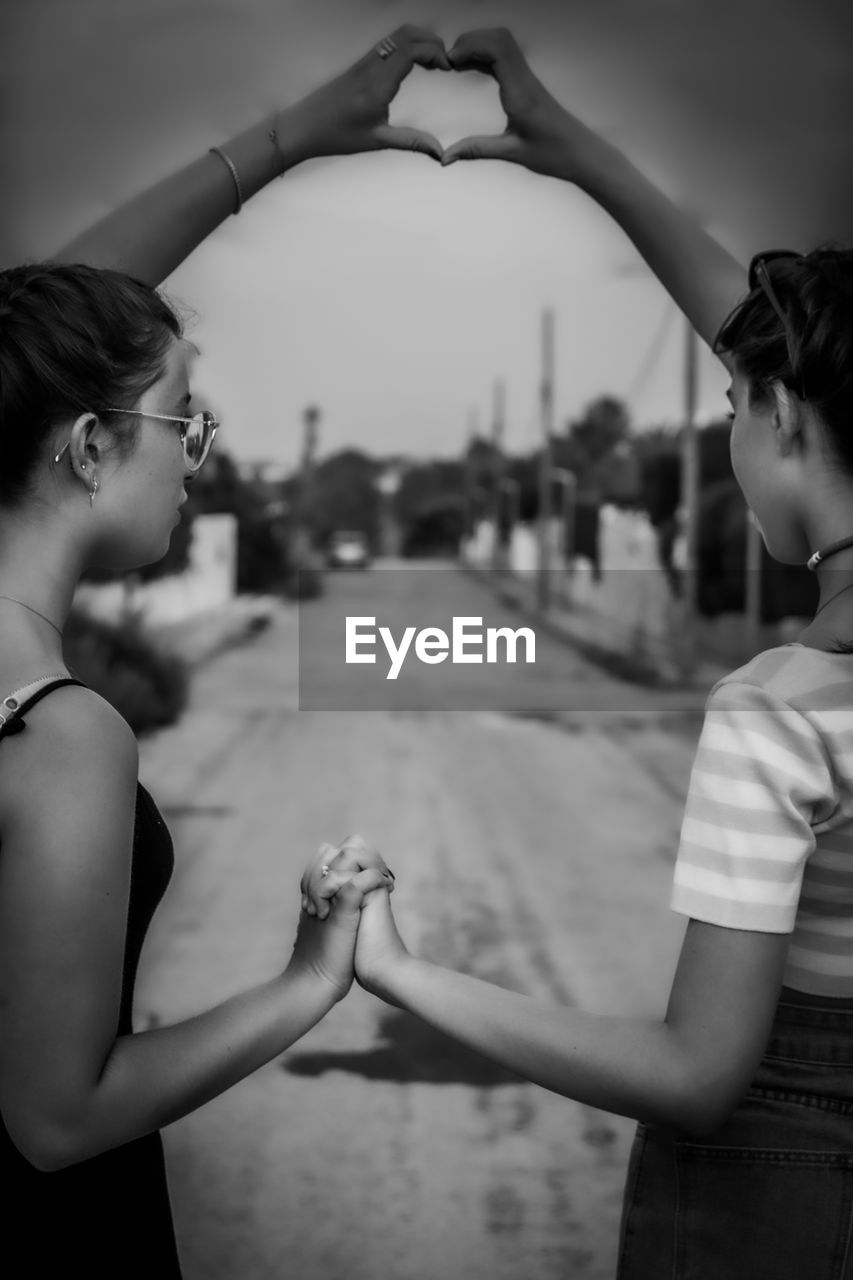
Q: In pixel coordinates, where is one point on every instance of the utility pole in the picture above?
(543, 593)
(690, 495)
(510, 489)
(469, 481)
(305, 492)
(568, 482)
(498, 431)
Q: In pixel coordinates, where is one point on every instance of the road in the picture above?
(533, 848)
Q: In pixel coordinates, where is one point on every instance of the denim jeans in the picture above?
(769, 1195)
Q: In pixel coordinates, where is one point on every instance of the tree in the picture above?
(344, 496)
(604, 424)
(429, 505)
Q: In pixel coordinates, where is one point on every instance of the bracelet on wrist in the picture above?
(232, 169)
(274, 139)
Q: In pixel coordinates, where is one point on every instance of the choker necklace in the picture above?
(12, 600)
(819, 556)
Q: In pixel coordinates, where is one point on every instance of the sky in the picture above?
(387, 291)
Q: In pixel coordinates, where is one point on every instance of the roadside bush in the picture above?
(145, 684)
(305, 579)
(305, 583)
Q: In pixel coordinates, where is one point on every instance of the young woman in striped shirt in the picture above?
(742, 1167)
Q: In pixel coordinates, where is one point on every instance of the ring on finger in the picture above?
(324, 871)
(385, 48)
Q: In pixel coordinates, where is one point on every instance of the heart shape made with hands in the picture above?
(461, 97)
(492, 53)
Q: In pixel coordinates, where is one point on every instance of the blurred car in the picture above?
(348, 549)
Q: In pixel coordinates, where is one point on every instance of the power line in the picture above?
(653, 352)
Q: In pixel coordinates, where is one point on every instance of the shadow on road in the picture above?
(410, 1051)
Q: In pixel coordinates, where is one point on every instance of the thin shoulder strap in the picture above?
(14, 706)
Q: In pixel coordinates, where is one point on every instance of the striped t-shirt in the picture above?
(767, 836)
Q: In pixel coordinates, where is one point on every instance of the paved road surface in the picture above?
(536, 854)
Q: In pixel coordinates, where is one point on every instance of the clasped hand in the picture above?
(346, 929)
(350, 113)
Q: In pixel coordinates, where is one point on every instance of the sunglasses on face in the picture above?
(759, 277)
(197, 433)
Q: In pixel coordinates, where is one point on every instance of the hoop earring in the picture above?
(93, 491)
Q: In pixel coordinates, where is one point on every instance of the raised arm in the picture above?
(152, 233)
(702, 277)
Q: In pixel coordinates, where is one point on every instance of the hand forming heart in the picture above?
(539, 133)
(350, 114)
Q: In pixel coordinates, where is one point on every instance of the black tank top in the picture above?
(108, 1216)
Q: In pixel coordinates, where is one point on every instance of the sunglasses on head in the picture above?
(759, 277)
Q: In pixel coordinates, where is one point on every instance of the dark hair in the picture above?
(73, 339)
(816, 293)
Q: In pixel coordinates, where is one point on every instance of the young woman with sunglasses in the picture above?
(99, 443)
(742, 1167)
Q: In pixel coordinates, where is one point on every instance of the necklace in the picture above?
(819, 556)
(12, 600)
(831, 598)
